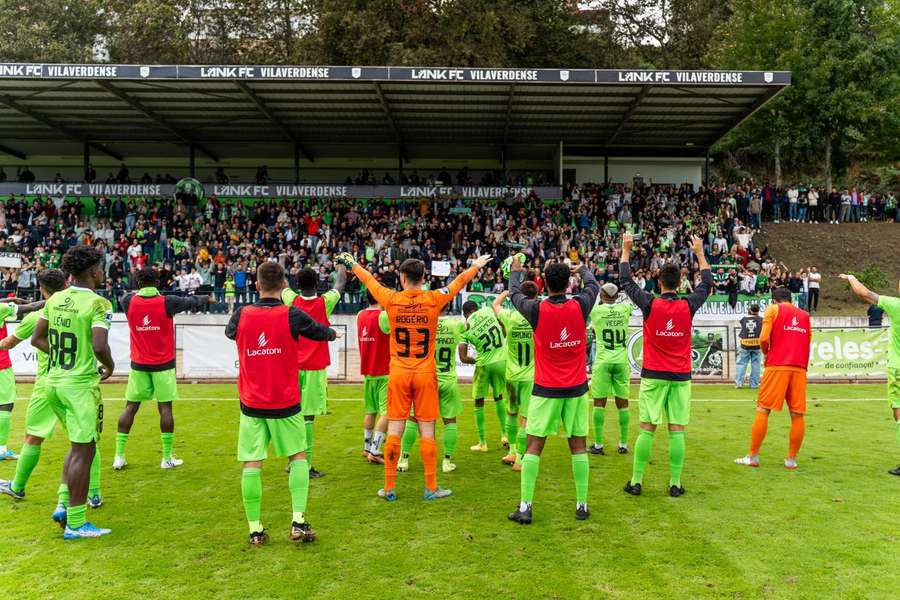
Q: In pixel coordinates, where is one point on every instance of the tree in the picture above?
(52, 31)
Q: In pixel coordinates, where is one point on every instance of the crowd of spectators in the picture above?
(214, 246)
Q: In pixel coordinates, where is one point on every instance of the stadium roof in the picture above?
(326, 111)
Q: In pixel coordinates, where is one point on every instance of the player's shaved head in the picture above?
(413, 269)
(529, 289)
(270, 277)
(307, 279)
(468, 308)
(781, 294)
(52, 280)
(557, 278)
(146, 277)
(670, 277)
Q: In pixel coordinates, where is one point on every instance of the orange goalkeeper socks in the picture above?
(758, 432)
(798, 426)
(391, 456)
(428, 451)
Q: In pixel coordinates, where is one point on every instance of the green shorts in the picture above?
(40, 420)
(7, 387)
(375, 394)
(545, 414)
(147, 385)
(661, 397)
(610, 380)
(313, 392)
(894, 387)
(80, 410)
(449, 398)
(487, 378)
(287, 434)
(518, 395)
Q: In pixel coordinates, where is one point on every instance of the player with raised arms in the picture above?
(151, 327)
(560, 376)
(890, 305)
(484, 333)
(666, 369)
(74, 331)
(412, 383)
(268, 342)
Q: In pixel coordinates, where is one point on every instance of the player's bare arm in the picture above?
(39, 338)
(859, 289)
(697, 247)
(10, 342)
(100, 345)
(340, 280)
(497, 304)
(464, 355)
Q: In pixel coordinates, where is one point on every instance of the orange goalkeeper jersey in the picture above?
(413, 315)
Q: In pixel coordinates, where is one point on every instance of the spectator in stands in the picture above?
(123, 175)
(814, 283)
(25, 175)
(876, 316)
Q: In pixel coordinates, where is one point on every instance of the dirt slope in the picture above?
(836, 249)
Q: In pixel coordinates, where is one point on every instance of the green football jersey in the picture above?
(610, 323)
(891, 306)
(449, 336)
(519, 346)
(331, 298)
(483, 331)
(23, 332)
(71, 315)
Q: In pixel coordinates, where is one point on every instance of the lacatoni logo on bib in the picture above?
(670, 326)
(364, 335)
(564, 340)
(146, 325)
(262, 342)
(795, 326)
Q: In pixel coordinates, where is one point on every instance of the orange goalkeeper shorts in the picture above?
(783, 384)
(412, 390)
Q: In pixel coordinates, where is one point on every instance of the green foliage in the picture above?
(51, 30)
(872, 277)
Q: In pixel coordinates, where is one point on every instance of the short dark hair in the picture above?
(530, 289)
(557, 277)
(469, 307)
(269, 276)
(782, 294)
(670, 276)
(414, 269)
(307, 279)
(146, 277)
(754, 308)
(52, 280)
(80, 258)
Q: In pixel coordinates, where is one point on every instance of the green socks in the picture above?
(643, 447)
(298, 484)
(522, 441)
(409, 437)
(62, 494)
(676, 457)
(5, 423)
(167, 440)
(450, 437)
(531, 465)
(309, 441)
(512, 429)
(75, 516)
(500, 406)
(121, 441)
(580, 473)
(599, 418)
(624, 420)
(479, 424)
(251, 492)
(28, 460)
(94, 485)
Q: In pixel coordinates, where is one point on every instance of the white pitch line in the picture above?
(360, 399)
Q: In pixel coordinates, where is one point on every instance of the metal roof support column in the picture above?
(297, 164)
(559, 164)
(606, 169)
(706, 170)
(87, 160)
(503, 165)
(192, 161)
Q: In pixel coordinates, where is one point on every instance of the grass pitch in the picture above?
(827, 530)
